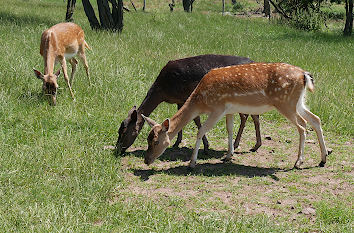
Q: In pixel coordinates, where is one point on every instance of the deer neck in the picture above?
(49, 62)
(184, 115)
(48, 53)
(152, 99)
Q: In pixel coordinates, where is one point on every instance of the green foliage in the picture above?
(55, 174)
(304, 14)
(334, 11)
(311, 20)
(237, 7)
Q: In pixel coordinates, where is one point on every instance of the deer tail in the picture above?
(87, 46)
(308, 81)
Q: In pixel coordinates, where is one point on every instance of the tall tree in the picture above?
(348, 28)
(109, 20)
(70, 7)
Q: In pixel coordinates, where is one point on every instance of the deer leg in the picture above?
(179, 136)
(240, 130)
(229, 127)
(213, 118)
(205, 140)
(258, 132)
(65, 71)
(315, 122)
(300, 123)
(73, 63)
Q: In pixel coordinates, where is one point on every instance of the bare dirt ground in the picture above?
(262, 182)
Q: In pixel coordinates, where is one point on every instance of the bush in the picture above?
(308, 20)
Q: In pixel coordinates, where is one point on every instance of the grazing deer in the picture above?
(60, 42)
(252, 89)
(174, 85)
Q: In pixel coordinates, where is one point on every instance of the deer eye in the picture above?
(156, 143)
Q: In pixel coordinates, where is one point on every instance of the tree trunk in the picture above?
(187, 5)
(223, 7)
(90, 13)
(105, 15)
(70, 10)
(266, 9)
(108, 20)
(117, 14)
(348, 18)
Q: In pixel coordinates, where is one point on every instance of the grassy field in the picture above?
(57, 176)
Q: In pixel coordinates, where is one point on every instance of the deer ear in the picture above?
(165, 125)
(57, 73)
(133, 114)
(38, 74)
(151, 122)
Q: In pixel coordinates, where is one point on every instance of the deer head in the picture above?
(128, 130)
(50, 84)
(158, 139)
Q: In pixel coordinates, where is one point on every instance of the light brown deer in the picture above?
(58, 43)
(251, 89)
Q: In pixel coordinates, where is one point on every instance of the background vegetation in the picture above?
(55, 174)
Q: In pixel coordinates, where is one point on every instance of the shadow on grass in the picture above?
(184, 154)
(217, 169)
(212, 169)
(34, 98)
(207, 169)
(23, 20)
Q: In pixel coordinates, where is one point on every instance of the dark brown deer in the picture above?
(175, 83)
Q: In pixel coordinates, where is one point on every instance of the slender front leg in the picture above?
(258, 133)
(205, 140)
(179, 136)
(240, 130)
(208, 124)
(229, 127)
(64, 67)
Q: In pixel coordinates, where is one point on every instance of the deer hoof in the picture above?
(297, 165)
(322, 164)
(255, 148)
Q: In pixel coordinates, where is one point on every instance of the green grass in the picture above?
(56, 176)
